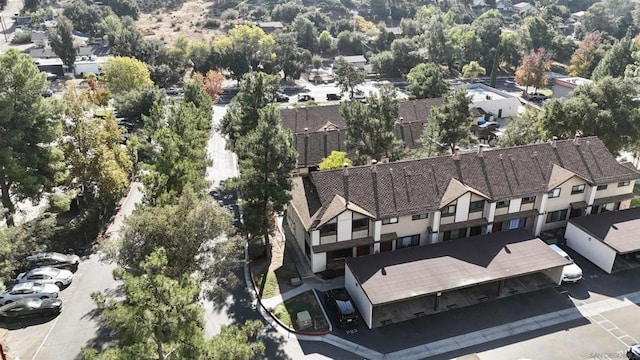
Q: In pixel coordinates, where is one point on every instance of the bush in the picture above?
(257, 248)
(212, 23)
(23, 37)
(229, 14)
(59, 203)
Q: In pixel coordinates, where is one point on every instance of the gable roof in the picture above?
(617, 229)
(418, 186)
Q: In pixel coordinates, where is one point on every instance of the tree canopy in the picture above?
(29, 126)
(61, 41)
(427, 81)
(348, 77)
(450, 122)
(124, 74)
(531, 71)
(335, 160)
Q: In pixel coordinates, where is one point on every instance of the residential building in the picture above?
(524, 8)
(496, 103)
(270, 26)
(563, 87)
(358, 61)
(504, 5)
(318, 130)
(365, 210)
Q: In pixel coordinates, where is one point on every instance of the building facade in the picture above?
(385, 207)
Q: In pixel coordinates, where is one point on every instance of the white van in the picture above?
(570, 273)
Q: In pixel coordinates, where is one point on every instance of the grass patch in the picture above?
(288, 311)
(636, 202)
(270, 287)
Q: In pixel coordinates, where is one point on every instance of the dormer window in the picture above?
(328, 229)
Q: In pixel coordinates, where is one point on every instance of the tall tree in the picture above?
(615, 61)
(162, 319)
(452, 120)
(212, 83)
(521, 130)
(92, 148)
(335, 160)
(325, 41)
(61, 41)
(348, 76)
(267, 159)
(124, 74)
(290, 58)
(244, 49)
(473, 70)
(427, 81)
(406, 55)
(371, 127)
(586, 57)
(531, 71)
(29, 127)
(305, 33)
(256, 91)
(488, 28)
(607, 109)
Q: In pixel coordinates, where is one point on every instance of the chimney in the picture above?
(481, 149)
(456, 155)
(374, 165)
(553, 142)
(325, 141)
(576, 140)
(306, 147)
(345, 180)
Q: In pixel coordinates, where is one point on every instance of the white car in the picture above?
(571, 272)
(29, 290)
(47, 275)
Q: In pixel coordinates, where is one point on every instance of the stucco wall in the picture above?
(358, 296)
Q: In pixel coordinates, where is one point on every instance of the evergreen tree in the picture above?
(452, 120)
(61, 41)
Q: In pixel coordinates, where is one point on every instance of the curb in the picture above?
(122, 201)
(263, 309)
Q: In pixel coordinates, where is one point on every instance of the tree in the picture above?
(178, 137)
(607, 109)
(348, 77)
(244, 49)
(85, 18)
(383, 64)
(111, 26)
(325, 41)
(124, 74)
(473, 70)
(451, 121)
(335, 160)
(615, 61)
(427, 81)
(29, 127)
(61, 41)
(531, 71)
(257, 91)
(124, 8)
(350, 43)
(406, 55)
(305, 32)
(267, 159)
(290, 58)
(162, 319)
(139, 102)
(535, 33)
(380, 8)
(488, 28)
(212, 84)
(371, 127)
(586, 57)
(521, 130)
(92, 148)
(316, 61)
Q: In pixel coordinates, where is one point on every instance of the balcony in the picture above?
(340, 245)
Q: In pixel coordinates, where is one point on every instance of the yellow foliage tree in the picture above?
(124, 74)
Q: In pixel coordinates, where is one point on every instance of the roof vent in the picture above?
(501, 157)
(535, 154)
(553, 142)
(345, 167)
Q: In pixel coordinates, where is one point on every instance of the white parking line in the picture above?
(45, 338)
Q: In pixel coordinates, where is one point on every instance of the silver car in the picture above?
(47, 275)
(28, 290)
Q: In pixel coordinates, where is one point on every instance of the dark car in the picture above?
(47, 93)
(340, 305)
(305, 97)
(634, 352)
(31, 307)
(225, 197)
(281, 98)
(53, 259)
(536, 97)
(172, 91)
(235, 211)
(334, 97)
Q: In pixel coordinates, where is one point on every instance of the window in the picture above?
(419, 216)
(516, 223)
(555, 216)
(407, 241)
(476, 206)
(528, 199)
(602, 187)
(502, 204)
(554, 193)
(360, 224)
(328, 229)
(577, 189)
(449, 210)
(393, 220)
(623, 183)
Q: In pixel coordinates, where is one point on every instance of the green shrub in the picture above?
(212, 23)
(257, 248)
(23, 37)
(59, 203)
(230, 14)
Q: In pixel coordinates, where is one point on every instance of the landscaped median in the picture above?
(301, 313)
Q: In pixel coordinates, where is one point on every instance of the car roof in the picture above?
(25, 285)
(43, 270)
(345, 307)
(46, 255)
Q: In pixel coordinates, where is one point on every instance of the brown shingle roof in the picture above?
(618, 229)
(423, 270)
(418, 186)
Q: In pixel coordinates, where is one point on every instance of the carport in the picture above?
(404, 284)
(610, 239)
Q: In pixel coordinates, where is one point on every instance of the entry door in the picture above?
(497, 227)
(386, 246)
(363, 250)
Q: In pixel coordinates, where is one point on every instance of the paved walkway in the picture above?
(588, 311)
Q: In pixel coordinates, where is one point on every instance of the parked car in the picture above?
(536, 97)
(358, 95)
(281, 98)
(340, 305)
(47, 93)
(53, 259)
(634, 352)
(305, 97)
(31, 307)
(29, 290)
(489, 125)
(334, 97)
(172, 91)
(47, 275)
(570, 273)
(235, 211)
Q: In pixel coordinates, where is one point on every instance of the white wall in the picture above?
(318, 262)
(344, 226)
(514, 205)
(360, 300)
(462, 207)
(613, 190)
(554, 274)
(405, 227)
(509, 106)
(593, 249)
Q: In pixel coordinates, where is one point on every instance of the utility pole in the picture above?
(4, 28)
